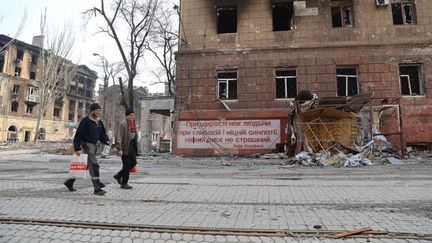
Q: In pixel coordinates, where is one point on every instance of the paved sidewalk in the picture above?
(394, 199)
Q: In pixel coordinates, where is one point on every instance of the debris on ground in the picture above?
(351, 232)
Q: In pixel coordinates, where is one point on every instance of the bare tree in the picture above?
(163, 47)
(57, 71)
(136, 17)
(17, 33)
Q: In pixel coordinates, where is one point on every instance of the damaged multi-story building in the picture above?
(241, 63)
(19, 74)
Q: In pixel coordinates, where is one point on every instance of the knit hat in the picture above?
(94, 106)
(129, 111)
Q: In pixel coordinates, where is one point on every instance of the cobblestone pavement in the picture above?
(184, 192)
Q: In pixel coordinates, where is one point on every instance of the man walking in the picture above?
(90, 131)
(126, 144)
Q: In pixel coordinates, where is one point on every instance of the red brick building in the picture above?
(240, 64)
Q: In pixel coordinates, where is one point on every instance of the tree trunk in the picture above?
(37, 126)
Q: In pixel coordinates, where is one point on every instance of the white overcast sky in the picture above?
(86, 42)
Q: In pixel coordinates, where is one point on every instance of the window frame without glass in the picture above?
(228, 80)
(284, 75)
(418, 78)
(347, 82)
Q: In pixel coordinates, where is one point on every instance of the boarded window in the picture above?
(411, 80)
(403, 12)
(227, 19)
(286, 84)
(227, 85)
(347, 81)
(342, 13)
(282, 15)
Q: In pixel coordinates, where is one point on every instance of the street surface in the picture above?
(245, 195)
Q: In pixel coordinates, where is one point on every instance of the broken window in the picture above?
(41, 133)
(34, 59)
(17, 72)
(14, 107)
(347, 81)
(342, 13)
(411, 80)
(29, 109)
(286, 84)
(1, 61)
(57, 112)
(32, 94)
(20, 55)
(403, 11)
(227, 85)
(16, 89)
(282, 15)
(32, 75)
(227, 19)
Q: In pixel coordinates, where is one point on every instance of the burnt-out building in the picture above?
(20, 65)
(240, 64)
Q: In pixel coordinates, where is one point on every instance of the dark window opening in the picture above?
(80, 105)
(282, 16)
(342, 14)
(71, 116)
(347, 81)
(17, 72)
(227, 85)
(57, 112)
(87, 107)
(32, 75)
(88, 93)
(411, 80)
(227, 20)
(20, 54)
(1, 62)
(34, 59)
(286, 84)
(403, 12)
(29, 109)
(14, 107)
(16, 89)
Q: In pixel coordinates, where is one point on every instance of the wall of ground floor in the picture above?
(378, 70)
(26, 129)
(225, 133)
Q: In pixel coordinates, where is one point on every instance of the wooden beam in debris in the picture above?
(350, 232)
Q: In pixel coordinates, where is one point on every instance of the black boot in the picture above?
(100, 184)
(118, 179)
(99, 192)
(69, 184)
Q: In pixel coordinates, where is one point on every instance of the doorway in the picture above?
(27, 136)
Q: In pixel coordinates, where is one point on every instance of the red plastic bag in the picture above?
(78, 166)
(134, 169)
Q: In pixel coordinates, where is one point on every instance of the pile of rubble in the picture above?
(58, 147)
(343, 131)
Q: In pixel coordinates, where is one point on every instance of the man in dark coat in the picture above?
(126, 144)
(90, 130)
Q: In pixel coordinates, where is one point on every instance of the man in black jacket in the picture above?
(90, 131)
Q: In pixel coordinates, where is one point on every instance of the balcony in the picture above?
(32, 99)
